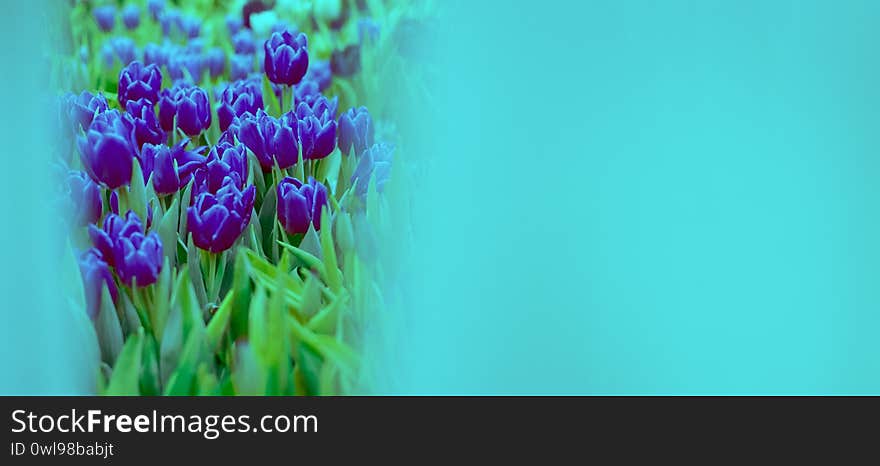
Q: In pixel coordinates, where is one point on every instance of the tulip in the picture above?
(300, 204)
(169, 19)
(237, 99)
(122, 48)
(234, 24)
(189, 105)
(317, 131)
(138, 258)
(171, 168)
(216, 61)
(271, 140)
(320, 73)
(243, 42)
(225, 161)
(81, 109)
(131, 16)
(114, 227)
(375, 163)
(105, 16)
(107, 149)
(137, 81)
(355, 130)
(95, 275)
(155, 8)
(307, 91)
(142, 116)
(84, 198)
(346, 62)
(194, 64)
(155, 54)
(217, 220)
(240, 66)
(286, 58)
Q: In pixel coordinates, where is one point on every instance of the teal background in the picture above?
(650, 197)
(614, 197)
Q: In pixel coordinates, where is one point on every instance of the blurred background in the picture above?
(609, 197)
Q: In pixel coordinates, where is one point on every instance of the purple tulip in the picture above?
(216, 61)
(217, 220)
(307, 91)
(227, 162)
(375, 163)
(320, 73)
(96, 274)
(300, 204)
(194, 64)
(107, 149)
(190, 25)
(82, 108)
(286, 58)
(155, 8)
(271, 140)
(317, 129)
(155, 54)
(84, 196)
(238, 98)
(131, 16)
(234, 24)
(171, 168)
(243, 42)
(122, 48)
(355, 130)
(104, 238)
(105, 16)
(137, 81)
(141, 114)
(240, 66)
(169, 20)
(190, 106)
(138, 258)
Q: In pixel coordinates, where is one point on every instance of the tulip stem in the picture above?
(286, 97)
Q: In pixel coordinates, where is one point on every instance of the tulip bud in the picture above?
(189, 104)
(226, 160)
(355, 130)
(141, 114)
(84, 199)
(81, 109)
(131, 16)
(171, 168)
(320, 73)
(270, 139)
(286, 58)
(237, 99)
(300, 204)
(374, 162)
(107, 149)
(95, 274)
(105, 16)
(138, 258)
(216, 61)
(316, 126)
(243, 42)
(217, 220)
(137, 81)
(155, 8)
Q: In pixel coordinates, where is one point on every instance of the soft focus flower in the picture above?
(270, 139)
(317, 129)
(300, 204)
(306, 91)
(107, 149)
(131, 16)
(194, 64)
(138, 258)
(171, 168)
(368, 30)
(137, 81)
(122, 48)
(216, 61)
(243, 42)
(374, 162)
(141, 114)
(355, 130)
(237, 99)
(155, 54)
(226, 160)
(190, 25)
(189, 104)
(216, 220)
(240, 66)
(104, 238)
(155, 8)
(287, 58)
(81, 109)
(84, 196)
(234, 24)
(346, 62)
(319, 72)
(105, 16)
(95, 275)
(169, 20)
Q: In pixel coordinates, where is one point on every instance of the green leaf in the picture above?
(195, 272)
(333, 276)
(273, 108)
(137, 196)
(126, 371)
(168, 231)
(219, 322)
(108, 329)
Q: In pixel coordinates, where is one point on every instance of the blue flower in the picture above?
(355, 130)
(81, 109)
(217, 220)
(84, 199)
(243, 42)
(286, 58)
(240, 66)
(225, 161)
(96, 275)
(320, 73)
(171, 168)
(216, 60)
(375, 163)
(300, 204)
(141, 115)
(137, 81)
(131, 16)
(316, 126)
(238, 98)
(272, 140)
(107, 149)
(155, 8)
(189, 105)
(105, 16)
